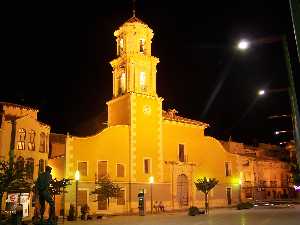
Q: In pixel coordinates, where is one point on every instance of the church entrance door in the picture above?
(182, 190)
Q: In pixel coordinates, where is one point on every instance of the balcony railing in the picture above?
(183, 158)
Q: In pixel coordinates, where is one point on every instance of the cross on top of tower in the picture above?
(133, 8)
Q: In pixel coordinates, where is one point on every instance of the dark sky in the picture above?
(56, 57)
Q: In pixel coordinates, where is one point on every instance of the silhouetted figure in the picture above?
(43, 183)
(161, 206)
(155, 206)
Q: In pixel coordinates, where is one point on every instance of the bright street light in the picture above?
(261, 92)
(243, 44)
(151, 180)
(280, 131)
(77, 175)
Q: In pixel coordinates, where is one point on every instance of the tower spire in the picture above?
(133, 8)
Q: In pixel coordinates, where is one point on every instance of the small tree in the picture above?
(13, 178)
(57, 187)
(4, 181)
(205, 185)
(106, 189)
(295, 173)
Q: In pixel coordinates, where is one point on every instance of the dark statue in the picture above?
(43, 183)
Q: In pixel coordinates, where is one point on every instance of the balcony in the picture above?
(273, 184)
(183, 158)
(247, 184)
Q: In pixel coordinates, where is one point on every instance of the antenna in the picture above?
(133, 8)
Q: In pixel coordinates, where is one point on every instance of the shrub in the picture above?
(193, 211)
(245, 205)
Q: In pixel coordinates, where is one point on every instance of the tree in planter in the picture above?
(205, 185)
(106, 189)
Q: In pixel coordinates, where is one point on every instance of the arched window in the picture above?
(42, 142)
(21, 139)
(123, 83)
(120, 46)
(31, 141)
(29, 168)
(142, 45)
(143, 81)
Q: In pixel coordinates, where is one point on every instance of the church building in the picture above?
(142, 142)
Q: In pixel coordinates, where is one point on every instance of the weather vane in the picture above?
(133, 8)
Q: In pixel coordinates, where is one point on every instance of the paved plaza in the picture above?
(287, 216)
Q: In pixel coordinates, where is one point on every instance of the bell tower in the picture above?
(134, 69)
(134, 99)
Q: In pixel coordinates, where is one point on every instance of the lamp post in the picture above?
(240, 190)
(151, 181)
(77, 177)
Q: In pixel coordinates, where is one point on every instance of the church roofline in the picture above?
(173, 117)
(133, 20)
(19, 106)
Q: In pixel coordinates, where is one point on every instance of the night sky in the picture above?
(56, 57)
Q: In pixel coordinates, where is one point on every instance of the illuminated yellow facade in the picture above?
(31, 144)
(143, 140)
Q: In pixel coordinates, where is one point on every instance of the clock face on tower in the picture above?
(147, 109)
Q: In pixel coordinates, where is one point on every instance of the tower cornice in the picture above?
(132, 57)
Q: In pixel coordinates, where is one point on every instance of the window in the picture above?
(122, 84)
(227, 169)
(121, 43)
(246, 163)
(142, 45)
(147, 166)
(121, 198)
(143, 81)
(46, 143)
(31, 145)
(42, 142)
(120, 170)
(82, 197)
(273, 183)
(120, 46)
(264, 183)
(30, 168)
(41, 166)
(21, 139)
(181, 153)
(20, 163)
(248, 192)
(82, 168)
(102, 169)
